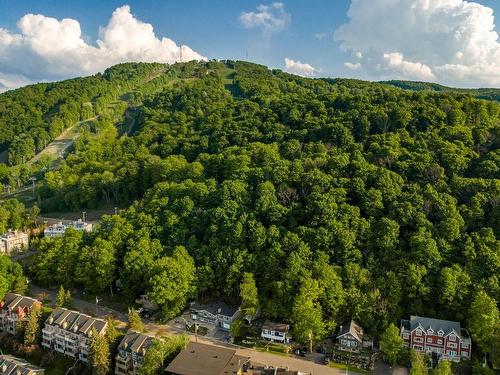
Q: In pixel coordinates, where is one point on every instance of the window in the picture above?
(451, 353)
(440, 342)
(418, 333)
(452, 345)
(430, 331)
(406, 336)
(465, 354)
(429, 340)
(440, 332)
(452, 337)
(418, 339)
(465, 345)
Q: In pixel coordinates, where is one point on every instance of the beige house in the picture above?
(10, 365)
(68, 332)
(14, 309)
(13, 241)
(131, 352)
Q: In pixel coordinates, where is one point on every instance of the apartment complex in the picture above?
(58, 230)
(14, 309)
(13, 241)
(131, 352)
(10, 365)
(442, 339)
(68, 332)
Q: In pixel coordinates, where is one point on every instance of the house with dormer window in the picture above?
(69, 332)
(442, 339)
(14, 310)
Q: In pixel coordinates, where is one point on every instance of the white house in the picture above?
(68, 332)
(275, 332)
(58, 230)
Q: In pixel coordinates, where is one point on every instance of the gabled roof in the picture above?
(135, 342)
(13, 301)
(215, 308)
(10, 365)
(203, 359)
(76, 322)
(424, 323)
(354, 329)
(277, 327)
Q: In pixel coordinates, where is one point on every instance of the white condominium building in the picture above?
(68, 332)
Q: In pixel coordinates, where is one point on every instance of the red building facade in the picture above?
(443, 339)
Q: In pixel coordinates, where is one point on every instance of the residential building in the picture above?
(203, 359)
(264, 370)
(10, 365)
(13, 241)
(275, 332)
(442, 339)
(58, 229)
(131, 352)
(351, 336)
(68, 332)
(14, 309)
(219, 314)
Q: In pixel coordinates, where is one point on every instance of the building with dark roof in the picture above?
(14, 309)
(218, 313)
(442, 339)
(275, 332)
(350, 336)
(131, 353)
(10, 365)
(203, 359)
(68, 332)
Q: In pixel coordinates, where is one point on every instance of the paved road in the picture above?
(81, 305)
(269, 359)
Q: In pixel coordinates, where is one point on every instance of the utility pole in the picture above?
(310, 342)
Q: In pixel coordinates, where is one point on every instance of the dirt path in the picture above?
(61, 143)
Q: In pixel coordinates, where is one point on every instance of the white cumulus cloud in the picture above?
(299, 68)
(48, 49)
(450, 41)
(352, 66)
(270, 18)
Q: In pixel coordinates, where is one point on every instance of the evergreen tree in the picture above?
(32, 329)
(418, 365)
(61, 297)
(443, 368)
(134, 320)
(99, 353)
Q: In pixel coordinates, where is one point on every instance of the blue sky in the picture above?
(215, 29)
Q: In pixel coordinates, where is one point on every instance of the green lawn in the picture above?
(341, 366)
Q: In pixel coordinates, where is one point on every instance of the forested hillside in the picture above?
(484, 93)
(32, 116)
(342, 198)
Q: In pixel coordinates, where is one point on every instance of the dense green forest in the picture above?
(484, 93)
(344, 199)
(32, 116)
